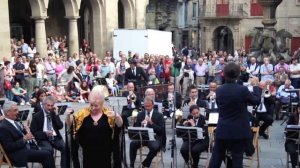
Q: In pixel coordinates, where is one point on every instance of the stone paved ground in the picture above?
(272, 154)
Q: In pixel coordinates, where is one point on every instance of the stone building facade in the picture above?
(219, 24)
(93, 20)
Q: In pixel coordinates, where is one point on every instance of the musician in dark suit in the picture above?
(194, 99)
(168, 97)
(152, 119)
(233, 128)
(134, 103)
(195, 119)
(135, 74)
(15, 141)
(45, 127)
(291, 145)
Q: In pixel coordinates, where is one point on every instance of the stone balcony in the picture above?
(222, 11)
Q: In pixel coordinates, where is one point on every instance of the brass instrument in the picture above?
(132, 97)
(267, 92)
(178, 115)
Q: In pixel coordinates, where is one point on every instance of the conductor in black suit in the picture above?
(135, 74)
(233, 128)
(195, 119)
(45, 127)
(15, 141)
(152, 119)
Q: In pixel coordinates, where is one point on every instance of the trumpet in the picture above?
(267, 92)
(132, 97)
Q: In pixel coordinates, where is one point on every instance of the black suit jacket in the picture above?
(137, 79)
(232, 100)
(158, 125)
(201, 124)
(177, 97)
(37, 125)
(12, 142)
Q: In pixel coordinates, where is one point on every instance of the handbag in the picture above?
(7, 85)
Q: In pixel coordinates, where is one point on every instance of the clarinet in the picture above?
(33, 140)
(49, 122)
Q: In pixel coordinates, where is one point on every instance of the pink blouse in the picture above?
(59, 69)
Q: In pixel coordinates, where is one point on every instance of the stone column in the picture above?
(73, 43)
(140, 13)
(40, 35)
(4, 31)
(111, 24)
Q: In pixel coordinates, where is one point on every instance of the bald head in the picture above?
(150, 92)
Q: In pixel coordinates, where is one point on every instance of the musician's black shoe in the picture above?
(266, 136)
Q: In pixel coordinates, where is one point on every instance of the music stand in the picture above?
(290, 103)
(22, 115)
(191, 134)
(141, 134)
(213, 118)
(294, 130)
(62, 109)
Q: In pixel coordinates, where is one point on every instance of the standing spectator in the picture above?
(167, 65)
(160, 71)
(67, 76)
(24, 47)
(50, 67)
(111, 65)
(280, 77)
(219, 71)
(31, 50)
(212, 69)
(70, 62)
(8, 76)
(32, 72)
(200, 70)
(266, 70)
(253, 68)
(59, 68)
(282, 64)
(83, 70)
(121, 69)
(19, 69)
(188, 76)
(105, 68)
(112, 84)
(26, 75)
(135, 74)
(40, 72)
(151, 71)
(295, 73)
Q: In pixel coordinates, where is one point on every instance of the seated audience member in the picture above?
(291, 146)
(264, 111)
(195, 119)
(45, 127)
(37, 106)
(33, 97)
(284, 97)
(152, 119)
(94, 76)
(193, 98)
(84, 91)
(73, 94)
(134, 103)
(112, 84)
(15, 141)
(20, 95)
(59, 94)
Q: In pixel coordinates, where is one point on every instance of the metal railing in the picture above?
(222, 10)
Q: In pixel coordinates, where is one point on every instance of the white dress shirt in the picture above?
(45, 128)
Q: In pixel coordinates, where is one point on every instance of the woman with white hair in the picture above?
(95, 130)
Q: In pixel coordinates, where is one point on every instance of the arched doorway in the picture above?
(21, 25)
(56, 24)
(223, 39)
(85, 21)
(121, 14)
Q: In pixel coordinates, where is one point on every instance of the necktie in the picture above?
(148, 113)
(261, 104)
(49, 126)
(18, 127)
(133, 72)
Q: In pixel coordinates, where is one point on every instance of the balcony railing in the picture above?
(221, 10)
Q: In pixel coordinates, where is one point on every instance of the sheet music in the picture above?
(199, 130)
(117, 101)
(186, 111)
(149, 130)
(213, 118)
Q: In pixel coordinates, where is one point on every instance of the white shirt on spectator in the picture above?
(295, 68)
(39, 71)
